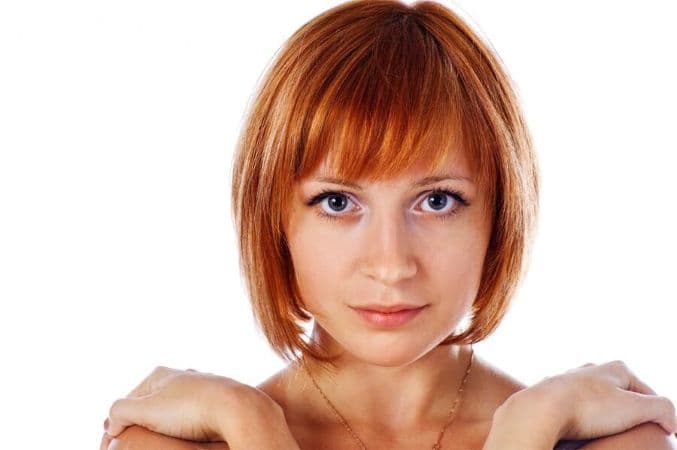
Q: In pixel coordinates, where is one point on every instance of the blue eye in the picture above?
(437, 199)
(337, 202)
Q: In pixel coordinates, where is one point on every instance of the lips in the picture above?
(387, 308)
(395, 318)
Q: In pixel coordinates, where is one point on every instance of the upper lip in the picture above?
(388, 308)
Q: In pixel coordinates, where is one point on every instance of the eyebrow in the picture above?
(422, 182)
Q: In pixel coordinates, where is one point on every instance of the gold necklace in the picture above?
(452, 413)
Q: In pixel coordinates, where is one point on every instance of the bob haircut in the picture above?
(376, 87)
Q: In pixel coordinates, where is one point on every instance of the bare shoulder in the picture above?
(503, 383)
(490, 387)
(136, 437)
(277, 386)
(648, 435)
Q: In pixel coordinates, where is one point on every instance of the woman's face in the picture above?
(387, 243)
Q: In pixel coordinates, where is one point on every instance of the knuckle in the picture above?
(114, 410)
(669, 406)
(619, 364)
(159, 372)
(582, 366)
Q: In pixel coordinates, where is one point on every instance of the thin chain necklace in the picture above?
(437, 445)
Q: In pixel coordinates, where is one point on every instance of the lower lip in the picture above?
(389, 320)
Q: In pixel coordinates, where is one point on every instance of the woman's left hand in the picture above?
(188, 404)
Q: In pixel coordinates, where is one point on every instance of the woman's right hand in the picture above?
(596, 400)
(187, 404)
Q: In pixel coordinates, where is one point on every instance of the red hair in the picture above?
(377, 86)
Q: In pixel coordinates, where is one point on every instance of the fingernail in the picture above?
(105, 424)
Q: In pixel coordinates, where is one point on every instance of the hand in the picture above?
(190, 405)
(600, 400)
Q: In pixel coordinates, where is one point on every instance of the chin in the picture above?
(385, 348)
(387, 351)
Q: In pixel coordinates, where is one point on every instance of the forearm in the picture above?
(136, 437)
(525, 422)
(265, 435)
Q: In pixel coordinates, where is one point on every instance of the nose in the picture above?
(388, 250)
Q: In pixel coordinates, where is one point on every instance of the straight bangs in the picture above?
(393, 103)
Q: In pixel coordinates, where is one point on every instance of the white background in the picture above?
(117, 251)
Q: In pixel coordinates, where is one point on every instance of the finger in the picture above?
(655, 408)
(150, 383)
(126, 412)
(637, 385)
(631, 381)
(105, 441)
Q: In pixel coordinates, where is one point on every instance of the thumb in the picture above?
(656, 408)
(126, 412)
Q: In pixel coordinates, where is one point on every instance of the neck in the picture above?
(410, 396)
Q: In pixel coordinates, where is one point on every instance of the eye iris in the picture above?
(337, 205)
(437, 204)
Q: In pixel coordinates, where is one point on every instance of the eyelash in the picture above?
(458, 196)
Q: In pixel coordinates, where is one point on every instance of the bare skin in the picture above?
(394, 386)
(388, 245)
(488, 389)
(314, 426)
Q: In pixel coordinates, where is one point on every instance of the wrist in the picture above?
(264, 431)
(527, 420)
(254, 420)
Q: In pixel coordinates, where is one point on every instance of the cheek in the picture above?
(453, 265)
(319, 264)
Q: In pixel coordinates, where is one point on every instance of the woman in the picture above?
(385, 185)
